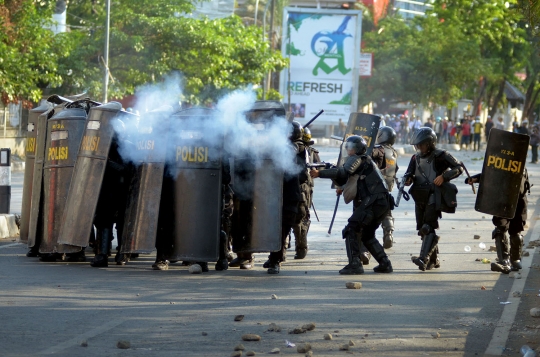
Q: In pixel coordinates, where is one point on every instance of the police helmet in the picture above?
(424, 135)
(386, 135)
(296, 131)
(356, 143)
(306, 137)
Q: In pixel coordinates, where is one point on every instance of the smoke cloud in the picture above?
(226, 133)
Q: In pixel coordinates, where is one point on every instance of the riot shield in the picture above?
(197, 186)
(35, 224)
(504, 162)
(88, 176)
(64, 134)
(142, 207)
(364, 125)
(258, 192)
(31, 136)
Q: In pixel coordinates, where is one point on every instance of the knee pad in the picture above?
(426, 229)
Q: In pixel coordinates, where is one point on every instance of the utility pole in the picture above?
(106, 60)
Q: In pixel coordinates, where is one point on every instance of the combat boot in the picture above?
(33, 252)
(50, 257)
(161, 264)
(78, 257)
(516, 246)
(102, 246)
(300, 253)
(222, 264)
(377, 251)
(388, 239)
(121, 258)
(273, 268)
(501, 267)
(204, 266)
(388, 229)
(353, 268)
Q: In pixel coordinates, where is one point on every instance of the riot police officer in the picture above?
(307, 154)
(291, 199)
(385, 156)
(430, 170)
(371, 204)
(509, 250)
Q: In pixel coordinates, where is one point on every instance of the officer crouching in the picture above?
(363, 181)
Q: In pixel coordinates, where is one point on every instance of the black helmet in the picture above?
(306, 136)
(424, 135)
(386, 135)
(297, 131)
(357, 143)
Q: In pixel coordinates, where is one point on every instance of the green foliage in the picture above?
(148, 41)
(29, 52)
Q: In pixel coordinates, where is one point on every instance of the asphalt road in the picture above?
(49, 308)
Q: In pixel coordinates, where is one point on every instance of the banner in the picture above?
(323, 47)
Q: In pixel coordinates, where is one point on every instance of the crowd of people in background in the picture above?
(467, 132)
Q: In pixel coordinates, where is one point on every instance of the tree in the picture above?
(424, 62)
(29, 51)
(150, 39)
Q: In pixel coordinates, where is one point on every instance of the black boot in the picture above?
(300, 253)
(50, 257)
(33, 252)
(122, 258)
(204, 266)
(516, 245)
(78, 257)
(503, 251)
(429, 245)
(161, 264)
(377, 251)
(273, 268)
(103, 236)
(353, 268)
(222, 263)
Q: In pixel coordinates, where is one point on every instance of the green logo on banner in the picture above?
(333, 49)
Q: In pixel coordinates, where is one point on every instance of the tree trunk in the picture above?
(529, 98)
(497, 98)
(478, 100)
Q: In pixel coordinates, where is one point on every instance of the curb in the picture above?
(8, 226)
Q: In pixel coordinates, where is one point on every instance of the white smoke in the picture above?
(227, 134)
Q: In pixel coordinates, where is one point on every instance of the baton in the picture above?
(334, 216)
(313, 119)
(469, 176)
(315, 211)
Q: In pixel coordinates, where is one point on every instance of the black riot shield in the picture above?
(364, 125)
(143, 202)
(504, 162)
(197, 186)
(256, 221)
(35, 224)
(31, 137)
(64, 134)
(88, 175)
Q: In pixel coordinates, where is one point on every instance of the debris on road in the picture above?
(535, 312)
(123, 345)
(239, 347)
(273, 327)
(353, 285)
(238, 317)
(344, 347)
(309, 327)
(274, 297)
(476, 236)
(195, 269)
(84, 343)
(327, 336)
(303, 348)
(236, 354)
(275, 351)
(251, 337)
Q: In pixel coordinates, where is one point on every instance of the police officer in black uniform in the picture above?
(509, 250)
(111, 208)
(225, 241)
(371, 204)
(430, 170)
(291, 199)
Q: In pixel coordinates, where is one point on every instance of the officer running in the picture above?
(430, 170)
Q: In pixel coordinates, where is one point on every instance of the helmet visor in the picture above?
(350, 146)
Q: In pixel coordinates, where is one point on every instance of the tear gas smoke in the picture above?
(223, 133)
